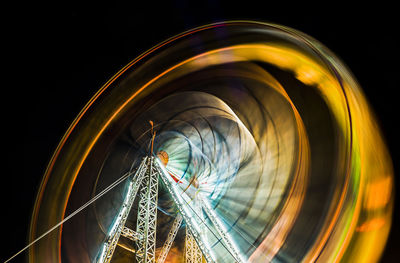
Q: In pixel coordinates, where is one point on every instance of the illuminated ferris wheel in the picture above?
(261, 148)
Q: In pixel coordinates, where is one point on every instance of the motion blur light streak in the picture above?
(258, 122)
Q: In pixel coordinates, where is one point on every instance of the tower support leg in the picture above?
(119, 222)
(192, 252)
(171, 236)
(147, 216)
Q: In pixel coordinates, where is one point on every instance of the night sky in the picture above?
(59, 56)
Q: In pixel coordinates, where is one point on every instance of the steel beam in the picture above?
(119, 222)
(170, 239)
(129, 233)
(192, 252)
(147, 216)
(186, 212)
(221, 231)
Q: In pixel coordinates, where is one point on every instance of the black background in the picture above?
(57, 57)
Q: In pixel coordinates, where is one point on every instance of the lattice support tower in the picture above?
(221, 231)
(145, 181)
(147, 216)
(187, 214)
(192, 251)
(170, 238)
(118, 224)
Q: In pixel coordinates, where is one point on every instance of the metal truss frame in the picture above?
(132, 235)
(146, 179)
(182, 207)
(119, 222)
(192, 252)
(147, 216)
(170, 238)
(221, 231)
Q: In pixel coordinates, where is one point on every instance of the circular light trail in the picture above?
(261, 121)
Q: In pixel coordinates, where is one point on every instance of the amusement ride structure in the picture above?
(266, 151)
(143, 184)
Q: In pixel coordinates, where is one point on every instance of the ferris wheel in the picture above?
(232, 142)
